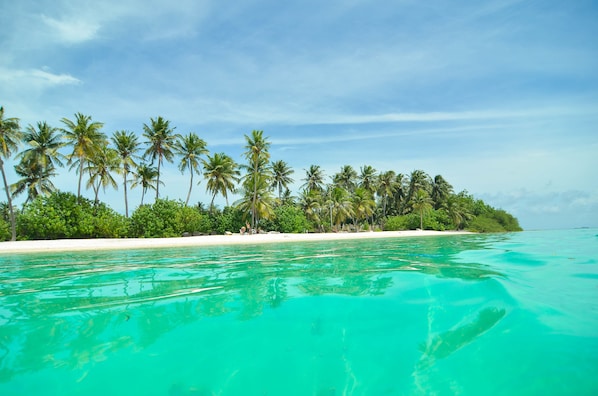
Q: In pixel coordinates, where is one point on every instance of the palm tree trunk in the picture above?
(142, 195)
(421, 219)
(80, 177)
(158, 179)
(126, 200)
(190, 187)
(13, 228)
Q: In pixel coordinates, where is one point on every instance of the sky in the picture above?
(500, 97)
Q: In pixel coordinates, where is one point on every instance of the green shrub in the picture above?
(230, 219)
(290, 219)
(485, 224)
(62, 215)
(167, 218)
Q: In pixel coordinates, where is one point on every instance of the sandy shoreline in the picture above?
(65, 245)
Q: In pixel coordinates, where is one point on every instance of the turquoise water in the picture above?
(512, 314)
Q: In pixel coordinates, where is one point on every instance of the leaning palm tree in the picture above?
(314, 179)
(281, 176)
(146, 177)
(222, 173)
(127, 145)
(86, 138)
(257, 156)
(422, 203)
(101, 166)
(161, 139)
(190, 147)
(10, 136)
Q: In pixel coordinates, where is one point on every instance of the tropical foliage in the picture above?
(349, 200)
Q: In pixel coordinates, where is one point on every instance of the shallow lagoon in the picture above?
(471, 314)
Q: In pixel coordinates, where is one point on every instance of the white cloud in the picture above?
(72, 30)
(35, 78)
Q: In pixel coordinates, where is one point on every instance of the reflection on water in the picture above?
(340, 316)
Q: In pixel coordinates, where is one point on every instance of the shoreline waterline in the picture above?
(67, 245)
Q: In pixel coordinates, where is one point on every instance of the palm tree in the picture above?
(346, 178)
(314, 179)
(127, 145)
(368, 179)
(418, 180)
(86, 138)
(422, 203)
(458, 211)
(281, 176)
(386, 188)
(310, 203)
(161, 139)
(222, 173)
(190, 147)
(257, 198)
(341, 207)
(146, 177)
(44, 143)
(10, 136)
(100, 167)
(38, 163)
(258, 156)
(35, 179)
(441, 190)
(363, 205)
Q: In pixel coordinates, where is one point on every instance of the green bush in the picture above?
(230, 219)
(167, 218)
(5, 233)
(290, 219)
(62, 215)
(485, 224)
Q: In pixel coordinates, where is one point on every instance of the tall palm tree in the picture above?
(346, 178)
(314, 179)
(100, 167)
(145, 176)
(10, 137)
(281, 176)
(222, 173)
(86, 138)
(258, 156)
(441, 190)
(386, 188)
(190, 147)
(161, 139)
(368, 179)
(127, 146)
(421, 202)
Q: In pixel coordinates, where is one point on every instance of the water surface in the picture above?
(509, 314)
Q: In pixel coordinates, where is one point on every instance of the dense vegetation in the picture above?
(351, 201)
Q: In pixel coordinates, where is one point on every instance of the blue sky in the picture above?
(499, 97)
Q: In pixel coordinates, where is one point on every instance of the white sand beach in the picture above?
(63, 245)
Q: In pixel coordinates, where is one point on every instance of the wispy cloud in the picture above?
(36, 78)
(72, 30)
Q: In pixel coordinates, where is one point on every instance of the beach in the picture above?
(63, 245)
